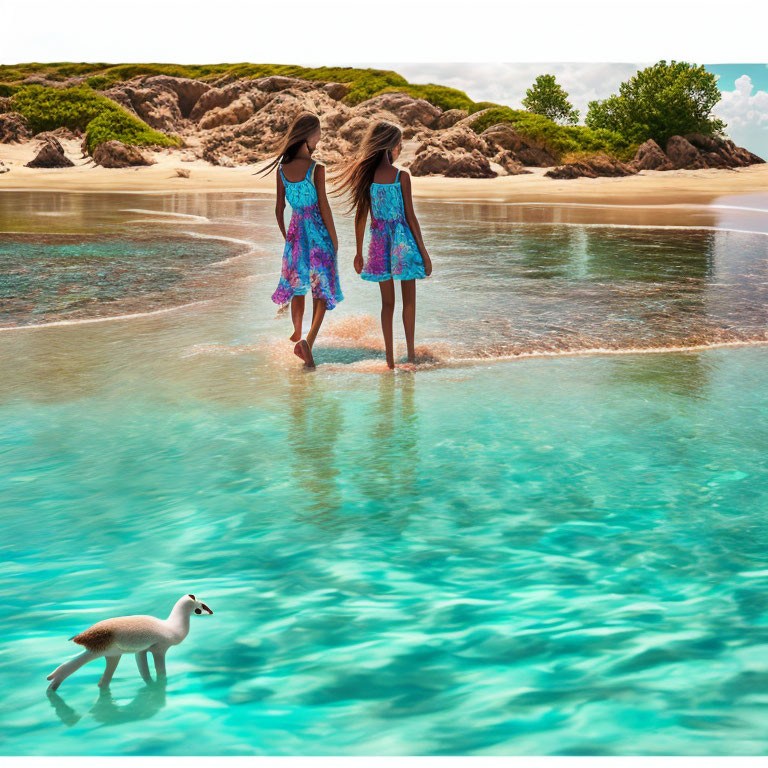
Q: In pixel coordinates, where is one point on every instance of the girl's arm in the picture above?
(413, 222)
(361, 216)
(325, 208)
(280, 204)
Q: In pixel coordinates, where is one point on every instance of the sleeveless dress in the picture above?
(392, 252)
(309, 259)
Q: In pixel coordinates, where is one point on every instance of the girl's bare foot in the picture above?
(295, 336)
(303, 351)
(391, 362)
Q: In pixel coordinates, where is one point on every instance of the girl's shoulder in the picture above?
(385, 176)
(293, 168)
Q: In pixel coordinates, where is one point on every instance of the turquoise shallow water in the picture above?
(548, 556)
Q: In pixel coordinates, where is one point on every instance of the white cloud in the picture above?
(746, 114)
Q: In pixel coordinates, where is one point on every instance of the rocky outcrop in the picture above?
(695, 151)
(651, 157)
(683, 154)
(235, 113)
(337, 91)
(449, 118)
(115, 154)
(525, 150)
(50, 155)
(68, 134)
(3, 167)
(457, 163)
(692, 151)
(509, 163)
(186, 90)
(156, 106)
(591, 168)
(737, 157)
(702, 142)
(276, 83)
(458, 137)
(258, 137)
(409, 111)
(221, 98)
(14, 128)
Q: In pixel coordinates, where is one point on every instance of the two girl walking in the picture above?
(372, 185)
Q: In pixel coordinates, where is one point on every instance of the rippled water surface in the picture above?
(548, 556)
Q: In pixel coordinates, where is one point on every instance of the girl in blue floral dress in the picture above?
(396, 250)
(309, 256)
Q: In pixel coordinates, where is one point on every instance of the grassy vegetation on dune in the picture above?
(364, 82)
(560, 140)
(84, 109)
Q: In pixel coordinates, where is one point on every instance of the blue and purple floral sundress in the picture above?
(309, 258)
(392, 252)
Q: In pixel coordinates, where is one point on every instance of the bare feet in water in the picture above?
(295, 336)
(303, 351)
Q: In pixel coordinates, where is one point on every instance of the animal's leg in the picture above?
(141, 663)
(159, 657)
(106, 678)
(62, 672)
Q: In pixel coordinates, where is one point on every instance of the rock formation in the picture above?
(115, 154)
(50, 155)
(525, 150)
(691, 152)
(460, 163)
(683, 154)
(13, 128)
(599, 165)
(651, 157)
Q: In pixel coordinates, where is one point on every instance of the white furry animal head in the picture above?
(192, 605)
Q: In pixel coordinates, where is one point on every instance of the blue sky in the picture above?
(744, 105)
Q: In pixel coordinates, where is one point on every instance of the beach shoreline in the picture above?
(647, 187)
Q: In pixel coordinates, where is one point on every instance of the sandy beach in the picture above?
(655, 187)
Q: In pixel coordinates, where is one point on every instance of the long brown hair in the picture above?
(303, 126)
(353, 179)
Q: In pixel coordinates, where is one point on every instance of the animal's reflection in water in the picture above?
(147, 702)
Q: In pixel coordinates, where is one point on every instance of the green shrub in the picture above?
(83, 109)
(123, 126)
(8, 90)
(478, 106)
(557, 139)
(661, 101)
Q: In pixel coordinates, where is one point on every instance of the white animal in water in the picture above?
(140, 635)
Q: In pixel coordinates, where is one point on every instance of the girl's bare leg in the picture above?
(387, 289)
(318, 313)
(297, 315)
(409, 316)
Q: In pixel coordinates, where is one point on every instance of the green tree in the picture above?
(661, 101)
(546, 97)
